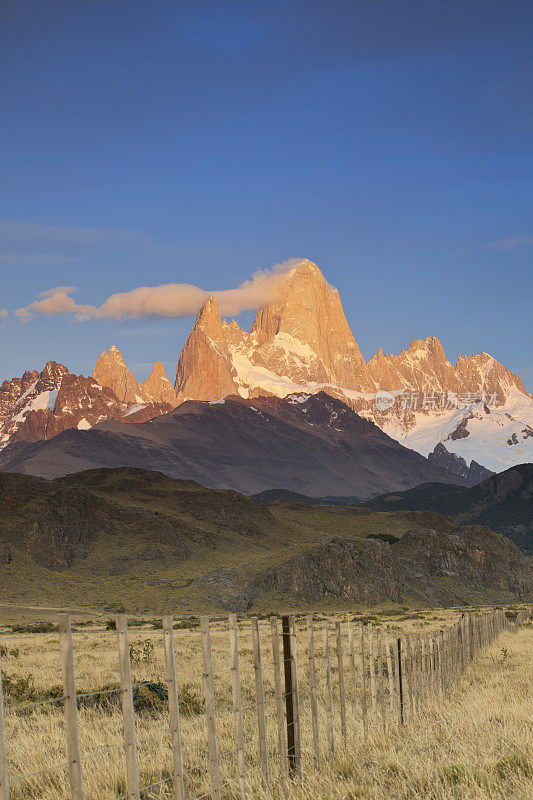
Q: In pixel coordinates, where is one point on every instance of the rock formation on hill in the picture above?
(148, 541)
(425, 565)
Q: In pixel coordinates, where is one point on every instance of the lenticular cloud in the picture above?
(166, 301)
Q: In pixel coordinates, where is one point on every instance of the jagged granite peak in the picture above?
(301, 338)
(309, 320)
(204, 370)
(157, 387)
(475, 473)
(111, 371)
(40, 405)
(481, 372)
(423, 367)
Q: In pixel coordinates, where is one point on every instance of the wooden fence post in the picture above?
(409, 673)
(289, 701)
(423, 666)
(432, 663)
(214, 764)
(128, 711)
(440, 678)
(70, 705)
(342, 685)
(414, 675)
(260, 701)
(4, 781)
(329, 699)
(372, 665)
(363, 676)
(353, 679)
(278, 690)
(295, 696)
(401, 679)
(312, 688)
(396, 660)
(391, 677)
(173, 707)
(237, 703)
(380, 678)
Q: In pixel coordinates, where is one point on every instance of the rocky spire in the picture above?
(111, 371)
(157, 386)
(204, 369)
(310, 314)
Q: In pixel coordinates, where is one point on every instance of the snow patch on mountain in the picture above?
(497, 438)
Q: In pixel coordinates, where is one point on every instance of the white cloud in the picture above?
(511, 243)
(166, 301)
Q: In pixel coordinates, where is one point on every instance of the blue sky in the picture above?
(153, 142)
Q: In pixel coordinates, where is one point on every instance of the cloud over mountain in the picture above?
(165, 301)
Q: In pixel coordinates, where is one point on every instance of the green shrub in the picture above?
(36, 627)
(385, 537)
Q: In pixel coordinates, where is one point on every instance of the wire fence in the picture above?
(294, 693)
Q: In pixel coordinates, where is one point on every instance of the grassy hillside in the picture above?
(141, 540)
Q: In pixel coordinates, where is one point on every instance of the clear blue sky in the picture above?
(152, 142)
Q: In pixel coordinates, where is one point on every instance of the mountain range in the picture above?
(475, 410)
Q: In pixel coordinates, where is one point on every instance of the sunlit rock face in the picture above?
(111, 371)
(302, 342)
(40, 405)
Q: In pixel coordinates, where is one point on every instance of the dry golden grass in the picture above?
(476, 743)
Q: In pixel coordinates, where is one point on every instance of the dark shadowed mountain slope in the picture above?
(504, 502)
(312, 445)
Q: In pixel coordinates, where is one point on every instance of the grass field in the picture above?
(475, 743)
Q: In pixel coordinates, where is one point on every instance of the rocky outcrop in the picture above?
(474, 473)
(427, 566)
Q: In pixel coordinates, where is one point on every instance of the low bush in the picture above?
(36, 627)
